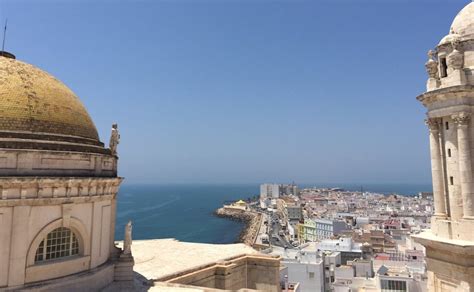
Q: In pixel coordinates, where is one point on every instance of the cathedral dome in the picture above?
(462, 26)
(37, 111)
(32, 101)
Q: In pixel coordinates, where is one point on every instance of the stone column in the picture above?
(439, 196)
(464, 162)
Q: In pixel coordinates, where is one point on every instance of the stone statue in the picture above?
(114, 139)
(432, 64)
(127, 242)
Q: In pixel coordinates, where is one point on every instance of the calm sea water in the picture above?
(185, 212)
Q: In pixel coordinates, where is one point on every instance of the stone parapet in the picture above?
(249, 271)
(170, 287)
(56, 163)
(450, 262)
(462, 92)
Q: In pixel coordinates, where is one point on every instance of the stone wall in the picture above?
(252, 221)
(250, 271)
(56, 163)
(90, 281)
(32, 207)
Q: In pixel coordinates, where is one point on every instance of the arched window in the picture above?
(59, 243)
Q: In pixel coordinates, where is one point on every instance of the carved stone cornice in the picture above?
(31, 188)
(462, 118)
(54, 201)
(465, 92)
(433, 124)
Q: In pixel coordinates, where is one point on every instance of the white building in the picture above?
(349, 250)
(331, 260)
(307, 270)
(359, 276)
(380, 283)
(295, 212)
(341, 244)
(274, 191)
(396, 281)
(325, 228)
(271, 191)
(268, 192)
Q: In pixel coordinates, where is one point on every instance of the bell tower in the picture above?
(449, 100)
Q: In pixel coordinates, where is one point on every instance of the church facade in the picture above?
(58, 186)
(449, 100)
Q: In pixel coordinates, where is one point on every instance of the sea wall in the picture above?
(252, 221)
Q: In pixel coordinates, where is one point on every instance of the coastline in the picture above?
(153, 207)
(252, 221)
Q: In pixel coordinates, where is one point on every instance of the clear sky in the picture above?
(245, 91)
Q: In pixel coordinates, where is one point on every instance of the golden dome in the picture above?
(32, 101)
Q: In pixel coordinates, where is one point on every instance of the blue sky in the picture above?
(245, 91)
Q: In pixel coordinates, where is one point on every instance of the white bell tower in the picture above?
(449, 100)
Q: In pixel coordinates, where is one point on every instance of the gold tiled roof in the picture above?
(33, 101)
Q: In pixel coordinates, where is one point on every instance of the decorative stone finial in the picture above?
(114, 139)
(432, 64)
(127, 242)
(461, 118)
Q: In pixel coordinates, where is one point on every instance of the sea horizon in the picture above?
(385, 188)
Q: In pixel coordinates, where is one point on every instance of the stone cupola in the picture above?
(454, 55)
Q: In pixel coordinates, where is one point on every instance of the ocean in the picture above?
(185, 212)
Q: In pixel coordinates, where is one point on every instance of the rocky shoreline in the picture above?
(252, 221)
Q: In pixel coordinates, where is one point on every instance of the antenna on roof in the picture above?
(2, 52)
(4, 34)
